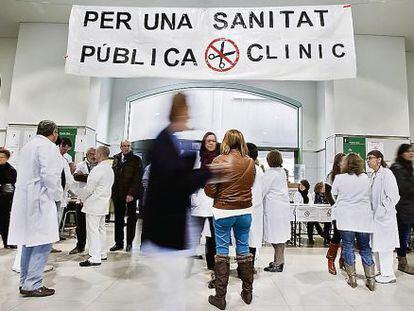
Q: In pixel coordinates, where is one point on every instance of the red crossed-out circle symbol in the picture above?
(222, 55)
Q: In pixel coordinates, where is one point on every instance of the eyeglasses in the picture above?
(370, 158)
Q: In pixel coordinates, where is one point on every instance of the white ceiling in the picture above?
(374, 17)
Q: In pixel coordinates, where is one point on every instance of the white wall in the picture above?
(40, 87)
(320, 115)
(410, 82)
(99, 106)
(103, 118)
(7, 53)
(376, 102)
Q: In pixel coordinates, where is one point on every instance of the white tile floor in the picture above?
(125, 282)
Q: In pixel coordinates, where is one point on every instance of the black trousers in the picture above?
(80, 227)
(5, 208)
(121, 208)
(322, 232)
(211, 246)
(404, 235)
(309, 228)
(336, 237)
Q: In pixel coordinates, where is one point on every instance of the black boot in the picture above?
(222, 271)
(245, 266)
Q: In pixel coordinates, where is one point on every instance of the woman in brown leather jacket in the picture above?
(232, 210)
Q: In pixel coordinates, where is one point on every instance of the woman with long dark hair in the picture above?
(336, 237)
(384, 197)
(404, 174)
(203, 205)
(302, 195)
(319, 198)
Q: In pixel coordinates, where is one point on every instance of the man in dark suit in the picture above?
(171, 182)
(125, 192)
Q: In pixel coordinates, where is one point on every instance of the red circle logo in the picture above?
(222, 55)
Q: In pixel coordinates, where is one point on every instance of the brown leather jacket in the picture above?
(237, 192)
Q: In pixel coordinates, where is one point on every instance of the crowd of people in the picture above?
(228, 197)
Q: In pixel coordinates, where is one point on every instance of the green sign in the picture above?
(356, 145)
(69, 132)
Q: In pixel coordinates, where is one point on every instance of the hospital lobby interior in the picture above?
(305, 87)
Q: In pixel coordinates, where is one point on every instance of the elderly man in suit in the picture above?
(128, 171)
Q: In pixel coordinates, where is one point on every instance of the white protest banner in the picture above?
(273, 43)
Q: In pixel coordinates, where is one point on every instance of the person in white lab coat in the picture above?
(65, 145)
(33, 222)
(354, 217)
(276, 209)
(81, 177)
(256, 229)
(384, 197)
(95, 197)
(65, 183)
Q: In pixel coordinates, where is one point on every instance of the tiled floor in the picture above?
(125, 282)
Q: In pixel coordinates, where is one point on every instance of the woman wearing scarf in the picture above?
(202, 204)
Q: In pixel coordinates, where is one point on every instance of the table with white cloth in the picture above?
(303, 213)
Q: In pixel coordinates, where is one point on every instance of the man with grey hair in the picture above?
(128, 171)
(33, 221)
(95, 197)
(80, 175)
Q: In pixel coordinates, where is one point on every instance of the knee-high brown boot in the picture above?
(404, 266)
(331, 255)
(370, 275)
(245, 265)
(350, 270)
(222, 271)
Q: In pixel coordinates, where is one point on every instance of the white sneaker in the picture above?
(382, 279)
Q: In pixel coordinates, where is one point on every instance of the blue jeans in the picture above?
(348, 247)
(241, 227)
(32, 264)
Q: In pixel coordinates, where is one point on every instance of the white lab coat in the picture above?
(69, 181)
(81, 167)
(97, 193)
(256, 228)
(352, 210)
(33, 219)
(201, 204)
(384, 197)
(276, 207)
